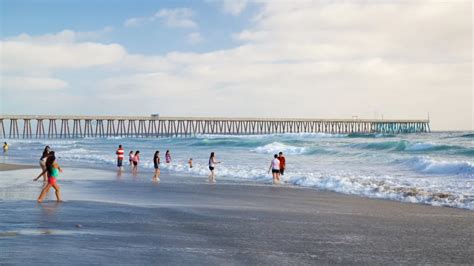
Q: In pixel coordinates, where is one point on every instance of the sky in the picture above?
(240, 58)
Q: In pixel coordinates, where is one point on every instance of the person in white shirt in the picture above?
(275, 168)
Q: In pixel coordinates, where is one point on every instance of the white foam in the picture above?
(276, 147)
(388, 188)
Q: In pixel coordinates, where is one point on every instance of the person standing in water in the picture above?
(42, 162)
(156, 163)
(130, 158)
(168, 156)
(120, 155)
(5, 147)
(212, 165)
(275, 168)
(282, 160)
(135, 160)
(190, 162)
(53, 170)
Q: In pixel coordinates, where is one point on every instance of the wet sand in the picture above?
(9, 166)
(190, 222)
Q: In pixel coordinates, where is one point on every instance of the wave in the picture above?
(271, 136)
(276, 147)
(404, 145)
(470, 135)
(466, 152)
(86, 156)
(370, 135)
(429, 166)
(227, 142)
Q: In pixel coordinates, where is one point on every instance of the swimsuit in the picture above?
(211, 164)
(53, 174)
(275, 166)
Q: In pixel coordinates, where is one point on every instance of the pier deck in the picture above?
(65, 126)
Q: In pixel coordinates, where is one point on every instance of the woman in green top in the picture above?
(53, 170)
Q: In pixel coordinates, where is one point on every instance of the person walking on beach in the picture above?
(42, 162)
(53, 170)
(156, 163)
(5, 147)
(168, 156)
(275, 168)
(130, 158)
(282, 160)
(120, 155)
(135, 160)
(212, 165)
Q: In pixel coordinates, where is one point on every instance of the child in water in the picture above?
(5, 147)
(130, 157)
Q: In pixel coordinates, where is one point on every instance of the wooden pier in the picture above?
(57, 126)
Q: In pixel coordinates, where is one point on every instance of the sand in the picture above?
(127, 221)
(9, 166)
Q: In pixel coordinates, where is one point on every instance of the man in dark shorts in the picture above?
(120, 155)
(281, 158)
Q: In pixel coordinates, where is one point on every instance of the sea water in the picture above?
(434, 168)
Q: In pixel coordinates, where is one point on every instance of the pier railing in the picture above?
(51, 126)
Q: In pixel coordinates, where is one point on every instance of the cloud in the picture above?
(63, 50)
(65, 36)
(195, 38)
(26, 83)
(233, 7)
(173, 18)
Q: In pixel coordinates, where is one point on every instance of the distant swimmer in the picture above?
(212, 165)
(275, 168)
(130, 158)
(135, 160)
(282, 160)
(168, 156)
(190, 162)
(5, 147)
(120, 155)
(156, 163)
(42, 162)
(53, 170)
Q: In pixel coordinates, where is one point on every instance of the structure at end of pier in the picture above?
(51, 126)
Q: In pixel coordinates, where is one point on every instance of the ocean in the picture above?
(435, 168)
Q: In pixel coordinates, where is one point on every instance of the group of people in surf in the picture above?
(134, 159)
(50, 169)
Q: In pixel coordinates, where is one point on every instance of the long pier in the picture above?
(58, 126)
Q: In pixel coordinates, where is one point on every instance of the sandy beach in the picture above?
(9, 166)
(130, 220)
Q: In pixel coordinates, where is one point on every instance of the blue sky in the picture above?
(240, 58)
(40, 17)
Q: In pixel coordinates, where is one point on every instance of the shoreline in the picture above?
(249, 183)
(15, 166)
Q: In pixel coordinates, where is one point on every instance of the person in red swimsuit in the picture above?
(281, 158)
